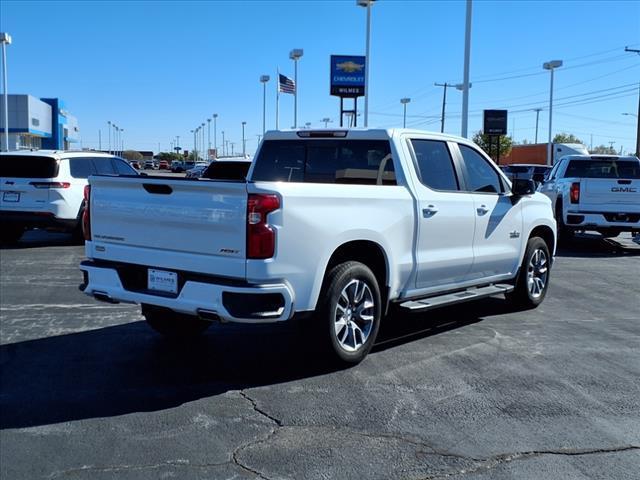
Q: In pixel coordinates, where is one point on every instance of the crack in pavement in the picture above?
(503, 458)
(117, 468)
(278, 424)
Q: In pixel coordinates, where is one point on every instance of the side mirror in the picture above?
(521, 187)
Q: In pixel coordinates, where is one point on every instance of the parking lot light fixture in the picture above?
(208, 139)
(264, 79)
(244, 143)
(404, 102)
(326, 121)
(215, 133)
(551, 66)
(295, 55)
(5, 39)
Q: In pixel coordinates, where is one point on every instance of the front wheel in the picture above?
(350, 312)
(533, 280)
(172, 324)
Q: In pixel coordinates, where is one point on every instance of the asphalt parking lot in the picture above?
(88, 391)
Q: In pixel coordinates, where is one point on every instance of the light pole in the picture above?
(465, 81)
(208, 139)
(367, 4)
(223, 144)
(194, 142)
(404, 102)
(551, 66)
(178, 144)
(326, 121)
(244, 143)
(5, 39)
(215, 133)
(264, 79)
(121, 142)
(203, 145)
(109, 130)
(295, 55)
(537, 110)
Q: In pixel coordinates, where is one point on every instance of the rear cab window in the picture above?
(435, 165)
(361, 162)
(603, 168)
(27, 166)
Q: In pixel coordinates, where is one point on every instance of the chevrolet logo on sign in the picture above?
(350, 67)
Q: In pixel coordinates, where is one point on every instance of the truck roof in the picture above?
(356, 133)
(600, 157)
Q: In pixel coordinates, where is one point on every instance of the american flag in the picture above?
(286, 85)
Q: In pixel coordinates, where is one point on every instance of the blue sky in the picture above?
(160, 68)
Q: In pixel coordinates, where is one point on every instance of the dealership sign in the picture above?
(495, 122)
(347, 75)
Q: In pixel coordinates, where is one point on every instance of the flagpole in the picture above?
(278, 100)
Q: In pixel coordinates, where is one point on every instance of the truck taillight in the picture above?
(86, 214)
(261, 238)
(574, 192)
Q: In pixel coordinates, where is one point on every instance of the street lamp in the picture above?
(404, 102)
(244, 143)
(465, 80)
(551, 66)
(367, 4)
(326, 121)
(109, 130)
(264, 79)
(5, 39)
(203, 145)
(208, 139)
(215, 133)
(194, 143)
(295, 55)
(121, 142)
(223, 144)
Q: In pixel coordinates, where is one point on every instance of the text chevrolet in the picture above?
(339, 228)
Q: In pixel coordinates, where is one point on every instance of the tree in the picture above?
(132, 155)
(603, 149)
(566, 138)
(483, 141)
(169, 156)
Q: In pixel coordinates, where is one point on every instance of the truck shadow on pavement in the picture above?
(128, 368)
(594, 245)
(41, 238)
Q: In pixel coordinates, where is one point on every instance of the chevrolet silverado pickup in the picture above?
(595, 192)
(336, 228)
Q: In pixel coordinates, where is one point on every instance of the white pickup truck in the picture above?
(333, 227)
(595, 192)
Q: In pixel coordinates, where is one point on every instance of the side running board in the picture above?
(457, 297)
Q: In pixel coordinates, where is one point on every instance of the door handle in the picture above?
(482, 209)
(430, 211)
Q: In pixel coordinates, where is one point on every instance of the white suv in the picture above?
(45, 189)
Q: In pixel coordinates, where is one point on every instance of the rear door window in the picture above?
(435, 165)
(123, 168)
(104, 166)
(482, 177)
(26, 166)
(364, 162)
(81, 167)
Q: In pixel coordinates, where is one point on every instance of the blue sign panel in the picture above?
(347, 75)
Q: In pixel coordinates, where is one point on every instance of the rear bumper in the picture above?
(42, 219)
(207, 298)
(620, 220)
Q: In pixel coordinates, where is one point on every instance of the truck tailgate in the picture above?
(171, 223)
(614, 192)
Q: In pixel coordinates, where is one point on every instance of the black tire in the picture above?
(349, 343)
(565, 234)
(11, 234)
(525, 295)
(172, 324)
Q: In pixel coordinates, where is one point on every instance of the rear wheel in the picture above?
(11, 234)
(565, 234)
(172, 324)
(349, 314)
(533, 280)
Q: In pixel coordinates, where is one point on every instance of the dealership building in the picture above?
(39, 123)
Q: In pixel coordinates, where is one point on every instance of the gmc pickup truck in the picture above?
(339, 228)
(595, 192)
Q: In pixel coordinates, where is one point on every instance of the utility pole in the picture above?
(537, 110)
(232, 145)
(632, 50)
(444, 102)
